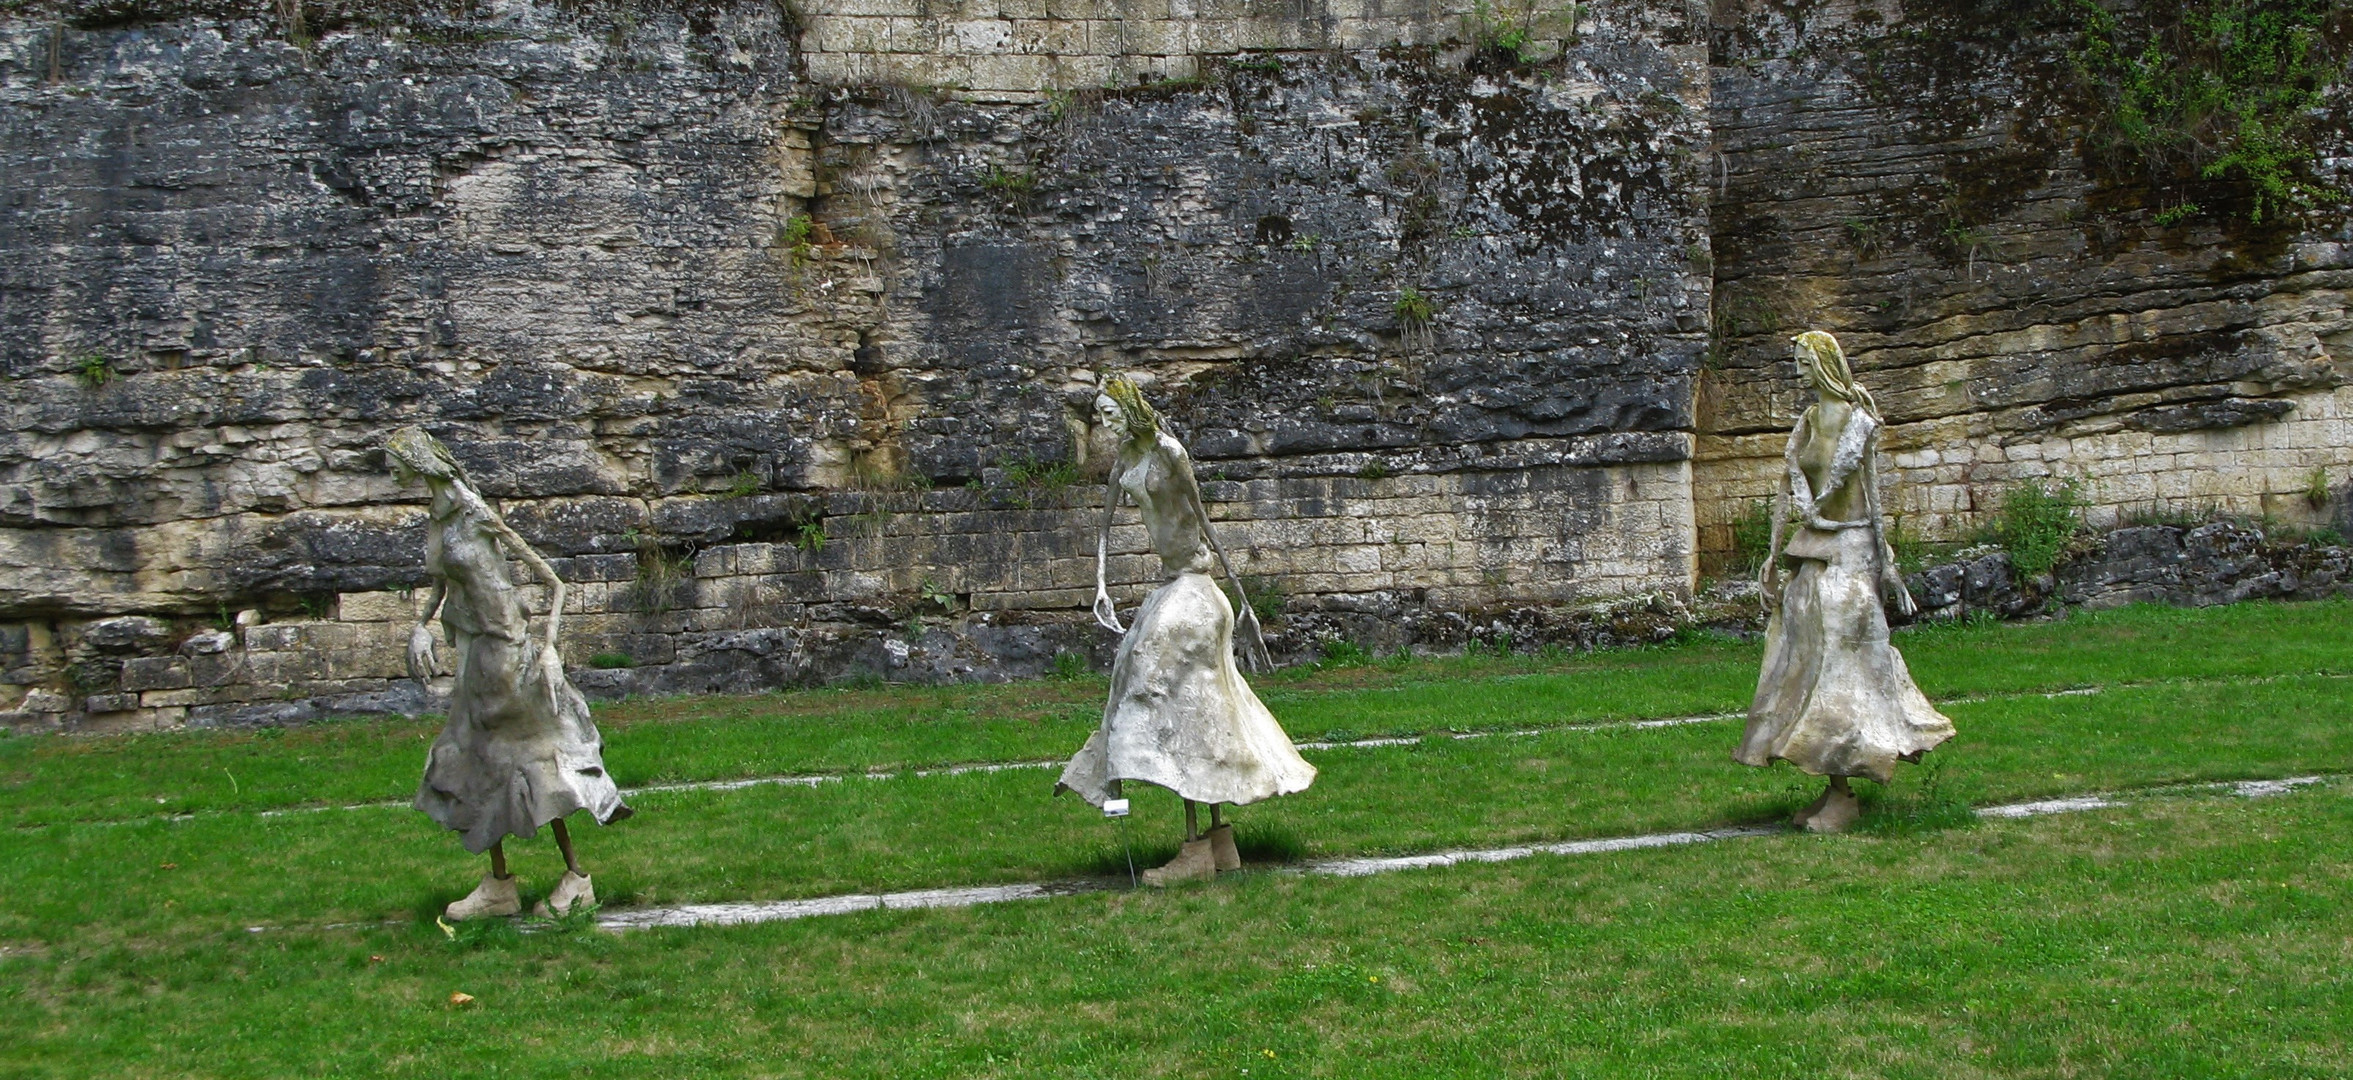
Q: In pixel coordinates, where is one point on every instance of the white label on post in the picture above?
(1115, 808)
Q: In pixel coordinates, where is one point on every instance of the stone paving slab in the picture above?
(740, 913)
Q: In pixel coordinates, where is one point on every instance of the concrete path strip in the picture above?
(743, 912)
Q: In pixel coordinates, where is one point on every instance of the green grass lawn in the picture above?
(2182, 935)
(673, 740)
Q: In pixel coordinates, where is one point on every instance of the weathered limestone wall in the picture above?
(1019, 50)
(775, 325)
(792, 375)
(1918, 179)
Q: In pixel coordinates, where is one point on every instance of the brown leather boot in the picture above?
(1222, 850)
(1193, 863)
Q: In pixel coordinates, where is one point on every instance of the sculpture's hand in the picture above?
(1250, 641)
(1106, 614)
(420, 654)
(1894, 582)
(1823, 524)
(1769, 586)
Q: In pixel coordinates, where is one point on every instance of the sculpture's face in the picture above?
(411, 453)
(1109, 414)
(1809, 361)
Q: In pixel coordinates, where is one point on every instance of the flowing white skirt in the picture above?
(1180, 715)
(517, 752)
(1834, 697)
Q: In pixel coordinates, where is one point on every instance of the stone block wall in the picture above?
(1021, 50)
(775, 326)
(786, 367)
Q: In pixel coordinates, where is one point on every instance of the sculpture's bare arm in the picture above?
(1247, 633)
(1105, 613)
(539, 566)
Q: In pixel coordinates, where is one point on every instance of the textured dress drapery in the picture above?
(519, 749)
(1179, 714)
(1834, 697)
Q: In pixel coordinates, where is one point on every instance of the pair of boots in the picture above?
(499, 896)
(1198, 860)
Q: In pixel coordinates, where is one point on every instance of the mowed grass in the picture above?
(2174, 937)
(2190, 934)
(674, 740)
(159, 877)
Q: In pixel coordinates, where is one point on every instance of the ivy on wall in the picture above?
(2219, 103)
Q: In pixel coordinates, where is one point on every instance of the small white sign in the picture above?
(1115, 808)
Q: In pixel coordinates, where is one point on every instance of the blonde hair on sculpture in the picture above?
(424, 454)
(1140, 417)
(1825, 362)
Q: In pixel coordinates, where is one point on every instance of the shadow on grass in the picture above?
(1919, 803)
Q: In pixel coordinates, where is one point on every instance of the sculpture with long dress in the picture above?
(519, 750)
(1834, 697)
(1179, 714)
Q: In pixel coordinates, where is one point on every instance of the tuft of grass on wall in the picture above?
(2035, 523)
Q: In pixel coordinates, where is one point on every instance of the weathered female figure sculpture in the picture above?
(1834, 697)
(519, 750)
(1179, 715)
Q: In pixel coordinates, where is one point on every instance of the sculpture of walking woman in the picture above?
(1179, 715)
(519, 750)
(1834, 697)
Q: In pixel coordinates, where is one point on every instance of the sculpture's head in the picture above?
(1824, 363)
(1123, 405)
(415, 453)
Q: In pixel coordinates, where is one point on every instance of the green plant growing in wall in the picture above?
(745, 485)
(2036, 522)
(1416, 316)
(1031, 478)
(2223, 91)
(810, 537)
(798, 237)
(660, 570)
(608, 661)
(1752, 535)
(94, 371)
(2316, 494)
(1014, 186)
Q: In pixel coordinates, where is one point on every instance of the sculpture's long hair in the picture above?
(423, 454)
(1825, 362)
(1141, 419)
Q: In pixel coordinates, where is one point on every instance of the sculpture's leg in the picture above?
(564, 844)
(1839, 808)
(498, 861)
(1192, 823)
(574, 889)
(1221, 840)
